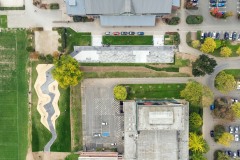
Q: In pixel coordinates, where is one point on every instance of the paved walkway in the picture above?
(49, 108)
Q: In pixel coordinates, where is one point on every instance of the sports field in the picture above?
(13, 95)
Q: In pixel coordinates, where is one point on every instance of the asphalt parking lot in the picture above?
(99, 107)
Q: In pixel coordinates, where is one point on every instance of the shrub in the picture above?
(77, 19)
(194, 19)
(218, 131)
(173, 21)
(120, 92)
(30, 49)
(54, 6)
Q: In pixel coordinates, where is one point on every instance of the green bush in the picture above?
(188, 39)
(194, 19)
(77, 19)
(54, 6)
(12, 8)
(173, 21)
(30, 49)
(167, 69)
(120, 92)
(199, 35)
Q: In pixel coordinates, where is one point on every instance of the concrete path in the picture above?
(49, 109)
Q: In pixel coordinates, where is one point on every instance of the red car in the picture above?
(116, 33)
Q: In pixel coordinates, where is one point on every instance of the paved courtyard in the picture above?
(11, 3)
(46, 41)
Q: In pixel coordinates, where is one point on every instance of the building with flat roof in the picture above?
(122, 12)
(155, 132)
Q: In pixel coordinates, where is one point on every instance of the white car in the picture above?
(236, 137)
(230, 129)
(104, 123)
(107, 33)
(236, 129)
(214, 35)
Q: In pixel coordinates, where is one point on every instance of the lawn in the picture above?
(154, 91)
(76, 39)
(13, 95)
(76, 114)
(234, 72)
(3, 21)
(128, 40)
(40, 135)
(227, 44)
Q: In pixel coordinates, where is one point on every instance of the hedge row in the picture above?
(194, 19)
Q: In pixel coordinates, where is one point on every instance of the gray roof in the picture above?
(148, 20)
(117, 7)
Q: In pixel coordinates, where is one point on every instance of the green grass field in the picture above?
(13, 95)
(3, 21)
(154, 91)
(234, 72)
(77, 39)
(40, 135)
(128, 40)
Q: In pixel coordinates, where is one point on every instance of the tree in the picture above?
(238, 51)
(66, 71)
(197, 143)
(229, 14)
(208, 46)
(225, 82)
(223, 109)
(195, 120)
(120, 92)
(197, 156)
(220, 155)
(225, 52)
(200, 96)
(226, 139)
(203, 65)
(218, 131)
(236, 109)
(196, 43)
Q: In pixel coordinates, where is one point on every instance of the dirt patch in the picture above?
(49, 155)
(46, 42)
(187, 70)
(114, 69)
(191, 57)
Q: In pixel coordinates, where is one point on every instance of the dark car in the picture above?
(212, 133)
(213, 1)
(234, 36)
(238, 153)
(210, 34)
(226, 35)
(124, 33)
(140, 33)
(212, 107)
(217, 35)
(205, 35)
(131, 33)
(229, 153)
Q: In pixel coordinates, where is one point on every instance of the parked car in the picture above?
(96, 135)
(113, 144)
(230, 36)
(221, 4)
(205, 35)
(212, 107)
(104, 123)
(214, 35)
(202, 35)
(234, 36)
(222, 1)
(234, 100)
(236, 129)
(131, 33)
(210, 34)
(234, 155)
(238, 153)
(217, 35)
(213, 1)
(116, 33)
(226, 35)
(229, 153)
(236, 137)
(212, 133)
(230, 129)
(140, 33)
(213, 4)
(107, 33)
(124, 33)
